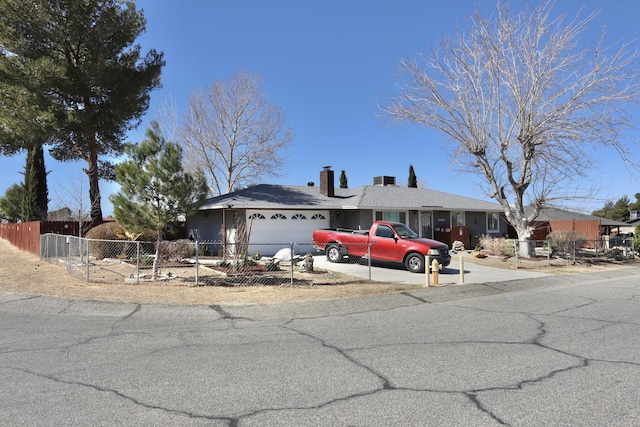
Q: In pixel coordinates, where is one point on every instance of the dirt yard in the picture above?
(21, 272)
(24, 273)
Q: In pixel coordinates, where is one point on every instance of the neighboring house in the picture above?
(552, 219)
(630, 225)
(281, 214)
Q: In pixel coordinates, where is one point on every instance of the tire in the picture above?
(414, 263)
(333, 253)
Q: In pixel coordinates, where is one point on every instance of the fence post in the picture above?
(88, 263)
(292, 261)
(574, 251)
(515, 250)
(137, 262)
(197, 253)
(68, 247)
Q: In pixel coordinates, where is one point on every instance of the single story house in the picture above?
(630, 225)
(594, 228)
(281, 214)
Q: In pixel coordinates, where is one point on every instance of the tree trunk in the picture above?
(94, 176)
(154, 271)
(525, 245)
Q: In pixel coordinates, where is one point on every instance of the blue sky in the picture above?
(327, 64)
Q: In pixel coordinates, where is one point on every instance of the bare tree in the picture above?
(72, 204)
(234, 134)
(523, 104)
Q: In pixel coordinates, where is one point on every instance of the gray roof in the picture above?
(554, 214)
(266, 196)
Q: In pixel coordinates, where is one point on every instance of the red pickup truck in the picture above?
(390, 241)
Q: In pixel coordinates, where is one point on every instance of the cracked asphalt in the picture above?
(555, 351)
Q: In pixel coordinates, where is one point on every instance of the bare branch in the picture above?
(234, 134)
(523, 102)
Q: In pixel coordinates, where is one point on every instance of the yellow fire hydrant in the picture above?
(435, 268)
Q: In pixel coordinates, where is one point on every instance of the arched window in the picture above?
(257, 216)
(278, 216)
(318, 216)
(298, 216)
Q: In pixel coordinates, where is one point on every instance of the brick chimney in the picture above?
(326, 182)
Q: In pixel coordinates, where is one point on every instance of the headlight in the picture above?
(433, 252)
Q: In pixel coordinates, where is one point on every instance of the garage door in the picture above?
(271, 230)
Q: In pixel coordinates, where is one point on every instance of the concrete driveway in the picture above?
(391, 273)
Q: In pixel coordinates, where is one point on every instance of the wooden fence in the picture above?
(590, 228)
(26, 235)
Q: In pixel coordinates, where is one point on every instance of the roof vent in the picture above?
(384, 180)
(310, 184)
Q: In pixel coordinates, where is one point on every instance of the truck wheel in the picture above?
(414, 263)
(333, 253)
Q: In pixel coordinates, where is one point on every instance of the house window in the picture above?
(257, 216)
(492, 222)
(318, 216)
(457, 218)
(298, 216)
(391, 216)
(278, 216)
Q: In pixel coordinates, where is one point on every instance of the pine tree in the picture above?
(155, 189)
(413, 180)
(77, 67)
(343, 180)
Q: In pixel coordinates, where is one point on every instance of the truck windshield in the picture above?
(405, 232)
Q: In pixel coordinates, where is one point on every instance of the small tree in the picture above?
(155, 190)
(413, 180)
(343, 180)
(11, 203)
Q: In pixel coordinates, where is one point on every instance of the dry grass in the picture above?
(21, 272)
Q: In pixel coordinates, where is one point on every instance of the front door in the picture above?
(426, 229)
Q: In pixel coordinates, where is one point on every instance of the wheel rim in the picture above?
(415, 263)
(333, 253)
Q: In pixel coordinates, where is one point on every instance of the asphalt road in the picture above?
(552, 351)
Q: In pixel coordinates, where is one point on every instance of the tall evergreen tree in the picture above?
(154, 187)
(35, 201)
(78, 60)
(343, 180)
(413, 180)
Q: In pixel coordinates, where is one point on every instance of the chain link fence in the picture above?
(217, 263)
(198, 263)
(604, 249)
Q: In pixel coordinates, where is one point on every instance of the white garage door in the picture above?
(270, 230)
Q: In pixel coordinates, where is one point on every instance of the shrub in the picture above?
(636, 239)
(497, 246)
(562, 241)
(177, 250)
(100, 248)
(106, 231)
